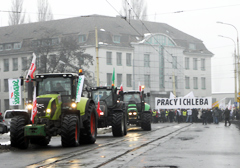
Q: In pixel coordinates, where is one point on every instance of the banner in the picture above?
(183, 103)
(79, 88)
(34, 108)
(14, 88)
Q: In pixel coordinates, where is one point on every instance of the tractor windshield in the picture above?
(135, 97)
(55, 85)
(102, 95)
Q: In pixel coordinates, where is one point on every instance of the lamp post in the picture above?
(237, 53)
(235, 66)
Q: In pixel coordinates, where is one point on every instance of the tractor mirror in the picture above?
(148, 94)
(21, 80)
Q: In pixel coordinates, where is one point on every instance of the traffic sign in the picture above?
(238, 99)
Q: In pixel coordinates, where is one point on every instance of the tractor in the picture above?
(138, 111)
(58, 113)
(110, 110)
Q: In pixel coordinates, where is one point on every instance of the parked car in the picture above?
(8, 115)
(3, 127)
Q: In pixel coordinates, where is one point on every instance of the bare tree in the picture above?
(44, 11)
(16, 16)
(134, 9)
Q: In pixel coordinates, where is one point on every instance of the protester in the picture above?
(227, 117)
(189, 115)
(179, 116)
(204, 117)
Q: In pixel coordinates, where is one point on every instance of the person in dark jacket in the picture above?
(227, 117)
(204, 116)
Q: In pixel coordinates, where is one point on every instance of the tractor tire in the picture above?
(146, 121)
(70, 131)
(89, 134)
(17, 132)
(125, 125)
(118, 124)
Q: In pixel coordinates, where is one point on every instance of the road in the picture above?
(167, 145)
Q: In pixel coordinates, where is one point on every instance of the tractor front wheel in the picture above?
(17, 137)
(146, 121)
(118, 124)
(70, 131)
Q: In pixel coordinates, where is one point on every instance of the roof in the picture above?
(107, 27)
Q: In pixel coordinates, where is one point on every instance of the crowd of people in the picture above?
(204, 116)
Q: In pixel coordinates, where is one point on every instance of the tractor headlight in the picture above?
(134, 113)
(48, 111)
(73, 105)
(130, 113)
(29, 106)
(101, 113)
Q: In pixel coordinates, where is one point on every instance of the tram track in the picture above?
(112, 150)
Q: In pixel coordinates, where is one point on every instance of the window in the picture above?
(186, 63)
(192, 46)
(5, 85)
(119, 58)
(1, 47)
(24, 63)
(55, 41)
(82, 38)
(6, 104)
(15, 64)
(174, 62)
(8, 46)
(6, 65)
(17, 46)
(147, 81)
(116, 39)
(195, 67)
(109, 58)
(109, 79)
(195, 83)
(203, 64)
(187, 82)
(203, 82)
(129, 80)
(119, 80)
(128, 59)
(146, 60)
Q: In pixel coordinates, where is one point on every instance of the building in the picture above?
(153, 54)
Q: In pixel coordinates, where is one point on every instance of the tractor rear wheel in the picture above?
(118, 124)
(89, 134)
(146, 121)
(17, 137)
(70, 131)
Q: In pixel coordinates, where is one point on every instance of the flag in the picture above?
(229, 105)
(32, 68)
(98, 107)
(172, 96)
(139, 87)
(14, 88)
(113, 76)
(121, 89)
(215, 104)
(189, 95)
(34, 108)
(222, 104)
(79, 88)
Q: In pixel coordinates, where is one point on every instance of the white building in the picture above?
(152, 54)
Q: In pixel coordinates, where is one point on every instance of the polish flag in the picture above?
(32, 67)
(98, 107)
(34, 108)
(139, 87)
(121, 89)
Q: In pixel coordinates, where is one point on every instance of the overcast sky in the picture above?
(197, 18)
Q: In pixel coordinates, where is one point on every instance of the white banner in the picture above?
(183, 103)
(14, 88)
(79, 88)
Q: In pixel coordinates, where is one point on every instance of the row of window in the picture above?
(195, 82)
(195, 63)
(14, 64)
(10, 46)
(119, 58)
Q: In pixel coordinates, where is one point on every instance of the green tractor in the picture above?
(110, 110)
(138, 110)
(58, 113)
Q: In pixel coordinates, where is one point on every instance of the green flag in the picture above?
(113, 76)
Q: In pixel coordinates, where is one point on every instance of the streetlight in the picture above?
(235, 66)
(237, 54)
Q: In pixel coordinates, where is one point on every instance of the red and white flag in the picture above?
(121, 89)
(139, 87)
(32, 67)
(99, 111)
(34, 108)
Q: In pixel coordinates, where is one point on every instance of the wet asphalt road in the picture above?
(167, 145)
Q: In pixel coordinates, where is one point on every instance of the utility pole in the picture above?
(97, 58)
(174, 88)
